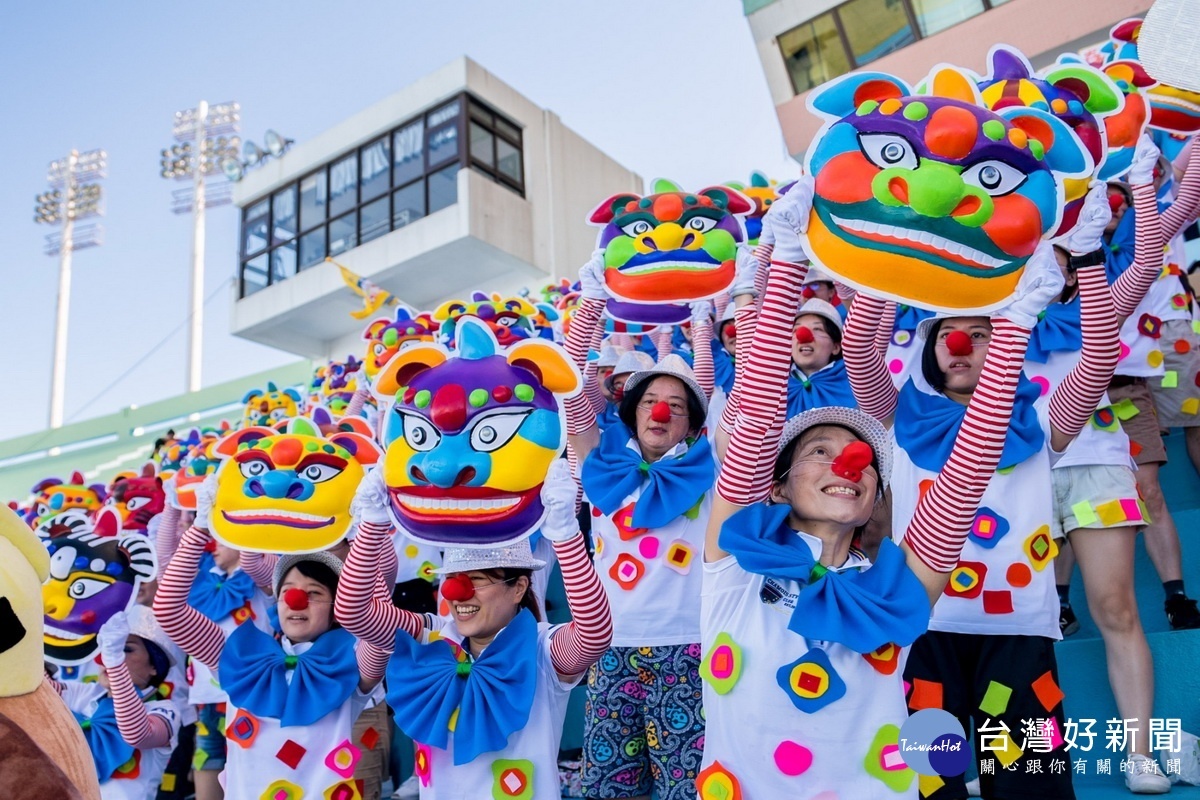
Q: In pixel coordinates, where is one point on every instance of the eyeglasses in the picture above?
(676, 409)
(482, 581)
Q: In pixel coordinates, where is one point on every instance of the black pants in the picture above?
(1022, 676)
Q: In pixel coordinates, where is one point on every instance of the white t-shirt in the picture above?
(652, 579)
(530, 757)
(143, 780)
(1007, 588)
(415, 560)
(754, 729)
(204, 686)
(263, 756)
(1093, 446)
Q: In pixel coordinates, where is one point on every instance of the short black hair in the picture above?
(833, 331)
(159, 660)
(929, 366)
(627, 411)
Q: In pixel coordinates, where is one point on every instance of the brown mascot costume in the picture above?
(42, 750)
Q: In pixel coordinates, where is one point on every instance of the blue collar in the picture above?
(109, 748)
(861, 609)
(493, 695)
(927, 424)
(723, 369)
(673, 485)
(829, 386)
(217, 596)
(1058, 330)
(253, 672)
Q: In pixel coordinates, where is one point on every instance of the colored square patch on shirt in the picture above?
(811, 682)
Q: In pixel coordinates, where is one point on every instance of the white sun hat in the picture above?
(866, 427)
(820, 308)
(675, 367)
(517, 555)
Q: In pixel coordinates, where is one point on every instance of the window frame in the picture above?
(501, 127)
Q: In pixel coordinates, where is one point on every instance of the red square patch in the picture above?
(291, 753)
(997, 602)
(369, 738)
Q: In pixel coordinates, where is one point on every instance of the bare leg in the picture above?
(1161, 536)
(208, 787)
(1106, 565)
(1064, 563)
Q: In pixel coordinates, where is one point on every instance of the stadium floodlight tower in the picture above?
(204, 137)
(74, 194)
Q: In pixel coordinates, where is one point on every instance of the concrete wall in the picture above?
(1040, 28)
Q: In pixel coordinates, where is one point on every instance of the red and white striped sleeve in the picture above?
(762, 254)
(138, 728)
(358, 606)
(745, 476)
(372, 661)
(359, 398)
(702, 355)
(196, 634)
(869, 377)
(576, 647)
(720, 303)
(1187, 199)
(591, 385)
(1080, 392)
(166, 538)
(943, 516)
(664, 336)
(745, 319)
(261, 569)
(1129, 289)
(581, 416)
(883, 333)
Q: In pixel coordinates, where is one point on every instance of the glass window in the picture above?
(482, 145)
(508, 160)
(443, 144)
(937, 15)
(813, 53)
(283, 262)
(254, 226)
(312, 200)
(343, 184)
(342, 234)
(375, 158)
(373, 220)
(443, 114)
(507, 129)
(312, 248)
(482, 114)
(409, 154)
(408, 204)
(443, 188)
(875, 28)
(254, 275)
(283, 214)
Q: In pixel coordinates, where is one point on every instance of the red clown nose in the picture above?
(804, 335)
(458, 588)
(730, 331)
(1115, 201)
(660, 412)
(296, 599)
(851, 462)
(958, 343)
(807, 293)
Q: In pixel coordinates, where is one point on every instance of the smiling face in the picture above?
(816, 349)
(288, 492)
(815, 493)
(304, 624)
(933, 200)
(494, 604)
(961, 366)
(91, 578)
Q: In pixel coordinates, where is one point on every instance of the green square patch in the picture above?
(995, 699)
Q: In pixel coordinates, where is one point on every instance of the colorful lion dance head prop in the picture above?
(510, 319)
(933, 200)
(385, 337)
(92, 577)
(1172, 109)
(288, 492)
(133, 502)
(762, 192)
(471, 434)
(668, 249)
(266, 407)
(60, 506)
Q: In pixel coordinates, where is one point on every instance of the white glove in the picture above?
(171, 492)
(206, 496)
(591, 278)
(788, 219)
(747, 270)
(1041, 283)
(701, 311)
(1088, 234)
(558, 496)
(111, 639)
(370, 503)
(1145, 157)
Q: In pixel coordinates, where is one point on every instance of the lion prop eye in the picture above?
(255, 468)
(886, 150)
(994, 177)
(83, 588)
(319, 473)
(493, 432)
(637, 228)
(419, 433)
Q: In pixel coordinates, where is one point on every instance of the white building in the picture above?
(455, 183)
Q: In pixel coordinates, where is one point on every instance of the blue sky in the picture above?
(670, 88)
